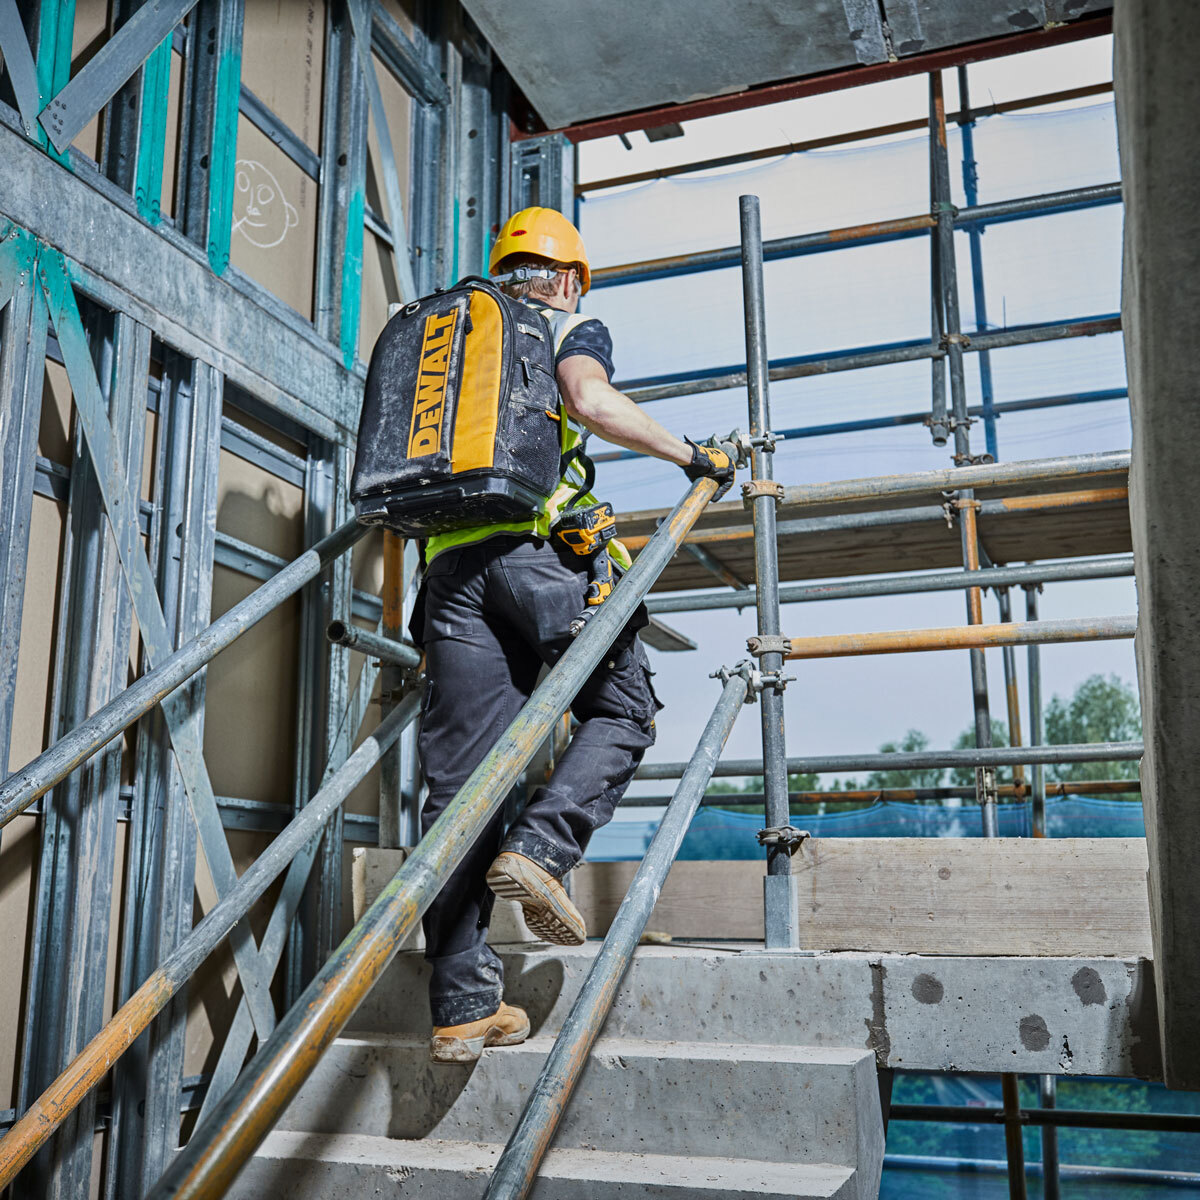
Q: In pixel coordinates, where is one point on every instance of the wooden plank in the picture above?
(1012, 896)
(1100, 526)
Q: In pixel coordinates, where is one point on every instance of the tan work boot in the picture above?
(548, 910)
(507, 1026)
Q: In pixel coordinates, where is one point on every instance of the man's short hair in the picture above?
(539, 287)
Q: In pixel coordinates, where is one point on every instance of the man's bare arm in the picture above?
(592, 401)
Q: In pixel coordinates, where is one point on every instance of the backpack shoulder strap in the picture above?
(561, 324)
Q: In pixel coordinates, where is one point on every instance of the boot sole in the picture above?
(546, 915)
(468, 1050)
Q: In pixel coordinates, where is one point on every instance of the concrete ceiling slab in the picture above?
(919, 26)
(591, 58)
(595, 58)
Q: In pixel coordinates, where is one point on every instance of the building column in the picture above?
(1157, 44)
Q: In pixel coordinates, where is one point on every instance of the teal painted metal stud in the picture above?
(152, 133)
(56, 29)
(223, 153)
(352, 265)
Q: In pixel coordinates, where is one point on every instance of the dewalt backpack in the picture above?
(460, 420)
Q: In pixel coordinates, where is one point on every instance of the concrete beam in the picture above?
(1065, 897)
(1158, 97)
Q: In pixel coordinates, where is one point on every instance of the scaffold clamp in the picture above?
(767, 643)
(787, 836)
(752, 489)
(745, 668)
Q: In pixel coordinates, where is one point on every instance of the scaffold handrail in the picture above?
(907, 795)
(527, 1145)
(891, 229)
(954, 479)
(1032, 575)
(960, 637)
(207, 1165)
(55, 763)
(914, 760)
(95, 1060)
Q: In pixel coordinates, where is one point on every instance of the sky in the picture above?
(1049, 268)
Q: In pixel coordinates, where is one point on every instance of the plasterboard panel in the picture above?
(595, 57)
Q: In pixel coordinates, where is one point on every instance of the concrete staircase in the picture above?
(709, 1081)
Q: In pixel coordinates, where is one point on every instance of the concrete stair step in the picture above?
(761, 1102)
(669, 993)
(321, 1166)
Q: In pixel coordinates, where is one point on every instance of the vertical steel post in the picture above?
(968, 508)
(212, 83)
(1034, 664)
(1047, 1084)
(1011, 692)
(322, 693)
(780, 924)
(966, 122)
(391, 679)
(22, 366)
(939, 424)
(434, 151)
(338, 290)
(960, 421)
(1048, 1095)
(79, 826)
(161, 856)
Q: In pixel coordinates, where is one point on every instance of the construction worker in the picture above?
(498, 601)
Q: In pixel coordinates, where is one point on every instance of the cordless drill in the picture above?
(588, 530)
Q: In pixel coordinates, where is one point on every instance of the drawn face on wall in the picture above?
(261, 214)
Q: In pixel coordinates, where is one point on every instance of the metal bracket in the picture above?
(410, 679)
(766, 441)
(943, 206)
(770, 679)
(752, 489)
(985, 785)
(972, 460)
(955, 339)
(787, 836)
(745, 668)
(768, 644)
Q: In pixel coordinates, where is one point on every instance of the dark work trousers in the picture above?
(493, 614)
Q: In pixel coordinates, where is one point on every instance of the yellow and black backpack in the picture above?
(460, 421)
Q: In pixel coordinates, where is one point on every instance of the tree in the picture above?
(1101, 710)
(914, 740)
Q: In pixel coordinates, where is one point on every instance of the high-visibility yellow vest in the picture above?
(561, 324)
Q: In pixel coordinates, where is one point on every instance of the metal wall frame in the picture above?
(79, 232)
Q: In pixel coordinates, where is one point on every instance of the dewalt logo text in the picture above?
(429, 407)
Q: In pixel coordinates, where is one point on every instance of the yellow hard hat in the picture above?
(542, 233)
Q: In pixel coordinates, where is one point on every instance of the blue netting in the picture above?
(717, 833)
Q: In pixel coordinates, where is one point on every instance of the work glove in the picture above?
(710, 461)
